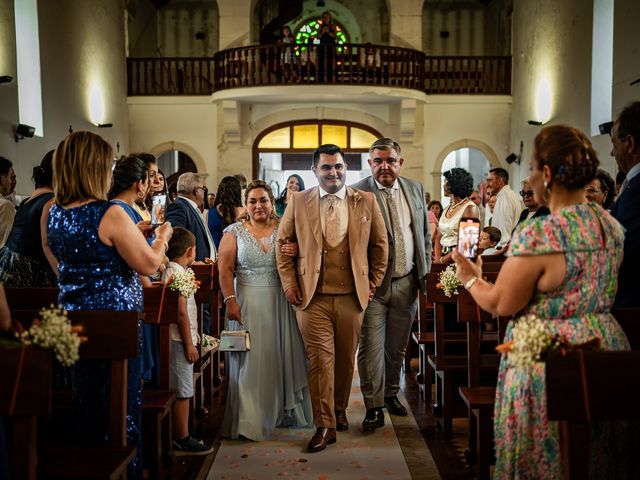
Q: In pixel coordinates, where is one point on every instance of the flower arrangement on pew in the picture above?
(54, 331)
(184, 283)
(448, 282)
(531, 343)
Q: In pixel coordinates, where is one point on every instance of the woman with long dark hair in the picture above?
(294, 184)
(226, 209)
(23, 263)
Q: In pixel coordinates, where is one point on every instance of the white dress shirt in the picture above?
(342, 209)
(404, 214)
(192, 308)
(506, 213)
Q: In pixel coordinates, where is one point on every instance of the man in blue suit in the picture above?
(387, 321)
(625, 138)
(185, 212)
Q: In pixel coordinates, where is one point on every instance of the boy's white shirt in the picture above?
(192, 308)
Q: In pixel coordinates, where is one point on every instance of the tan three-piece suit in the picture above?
(334, 282)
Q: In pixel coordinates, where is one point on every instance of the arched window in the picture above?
(286, 148)
(307, 33)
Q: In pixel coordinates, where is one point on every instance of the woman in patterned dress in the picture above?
(564, 267)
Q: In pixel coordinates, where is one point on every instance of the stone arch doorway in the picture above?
(472, 155)
(287, 148)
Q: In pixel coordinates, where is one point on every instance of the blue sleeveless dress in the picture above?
(92, 276)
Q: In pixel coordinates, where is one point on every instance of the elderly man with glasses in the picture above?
(533, 209)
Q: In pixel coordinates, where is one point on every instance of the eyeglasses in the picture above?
(195, 190)
(593, 190)
(526, 193)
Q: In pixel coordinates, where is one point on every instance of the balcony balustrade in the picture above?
(349, 64)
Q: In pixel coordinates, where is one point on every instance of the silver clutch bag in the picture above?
(235, 341)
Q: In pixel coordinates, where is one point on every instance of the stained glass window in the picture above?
(308, 34)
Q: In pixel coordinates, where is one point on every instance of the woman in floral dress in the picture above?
(564, 268)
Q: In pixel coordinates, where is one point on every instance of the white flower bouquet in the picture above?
(54, 331)
(531, 343)
(184, 282)
(448, 282)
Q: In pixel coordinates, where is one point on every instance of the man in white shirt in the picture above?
(7, 208)
(508, 206)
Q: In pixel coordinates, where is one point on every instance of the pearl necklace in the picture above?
(453, 207)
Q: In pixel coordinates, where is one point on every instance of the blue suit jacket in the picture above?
(181, 214)
(627, 211)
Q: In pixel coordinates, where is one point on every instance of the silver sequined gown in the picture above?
(267, 386)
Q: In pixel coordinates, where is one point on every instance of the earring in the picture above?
(140, 195)
(545, 185)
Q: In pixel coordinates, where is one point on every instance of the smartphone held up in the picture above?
(158, 207)
(468, 237)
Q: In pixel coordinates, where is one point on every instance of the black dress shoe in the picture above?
(394, 406)
(373, 419)
(324, 436)
(342, 423)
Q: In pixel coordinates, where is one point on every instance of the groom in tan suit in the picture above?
(343, 251)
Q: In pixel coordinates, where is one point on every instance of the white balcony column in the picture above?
(406, 23)
(235, 23)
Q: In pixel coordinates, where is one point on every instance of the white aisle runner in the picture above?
(355, 455)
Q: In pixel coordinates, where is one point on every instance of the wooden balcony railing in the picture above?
(170, 76)
(350, 64)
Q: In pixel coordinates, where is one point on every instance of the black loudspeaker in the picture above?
(605, 128)
(512, 157)
(25, 130)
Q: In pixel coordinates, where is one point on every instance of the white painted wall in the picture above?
(74, 56)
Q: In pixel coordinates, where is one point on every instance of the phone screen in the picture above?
(468, 236)
(158, 204)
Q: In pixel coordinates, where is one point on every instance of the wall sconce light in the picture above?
(511, 158)
(104, 125)
(543, 103)
(605, 128)
(6, 78)
(534, 122)
(23, 131)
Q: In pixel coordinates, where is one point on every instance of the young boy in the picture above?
(184, 338)
(489, 238)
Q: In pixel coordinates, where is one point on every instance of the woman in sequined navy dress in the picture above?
(98, 252)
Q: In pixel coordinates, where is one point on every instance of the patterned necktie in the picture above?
(400, 252)
(332, 221)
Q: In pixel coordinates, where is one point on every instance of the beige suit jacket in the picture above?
(367, 243)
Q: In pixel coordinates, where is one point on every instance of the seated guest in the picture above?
(533, 208)
(553, 260)
(489, 239)
(98, 253)
(601, 190)
(458, 185)
(22, 260)
(294, 184)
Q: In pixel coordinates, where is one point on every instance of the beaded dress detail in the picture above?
(267, 386)
(93, 276)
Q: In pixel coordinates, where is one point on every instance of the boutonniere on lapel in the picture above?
(356, 198)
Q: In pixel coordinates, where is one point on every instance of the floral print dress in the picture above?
(592, 243)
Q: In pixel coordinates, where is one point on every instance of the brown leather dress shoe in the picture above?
(324, 436)
(342, 423)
